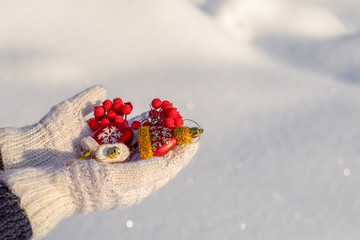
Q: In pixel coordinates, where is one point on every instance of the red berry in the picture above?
(104, 121)
(99, 111)
(135, 125)
(99, 118)
(117, 106)
(164, 112)
(126, 109)
(107, 104)
(178, 122)
(156, 103)
(118, 100)
(169, 122)
(111, 115)
(172, 113)
(91, 120)
(119, 119)
(146, 124)
(129, 103)
(94, 126)
(166, 104)
(153, 113)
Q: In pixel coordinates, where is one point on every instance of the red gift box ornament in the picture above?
(155, 141)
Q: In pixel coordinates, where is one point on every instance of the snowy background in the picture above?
(274, 83)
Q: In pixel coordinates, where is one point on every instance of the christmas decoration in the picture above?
(113, 133)
(163, 114)
(162, 130)
(157, 133)
(109, 153)
(155, 141)
(109, 112)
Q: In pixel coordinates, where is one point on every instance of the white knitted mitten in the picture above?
(49, 193)
(57, 135)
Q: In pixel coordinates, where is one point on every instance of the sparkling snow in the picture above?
(274, 84)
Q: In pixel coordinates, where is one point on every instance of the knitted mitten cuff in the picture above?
(13, 221)
(44, 194)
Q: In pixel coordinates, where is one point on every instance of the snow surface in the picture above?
(274, 84)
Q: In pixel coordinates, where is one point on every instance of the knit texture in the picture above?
(50, 193)
(14, 224)
(57, 136)
(44, 195)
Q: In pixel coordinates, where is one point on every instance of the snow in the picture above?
(274, 84)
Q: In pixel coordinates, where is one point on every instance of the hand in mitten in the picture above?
(49, 193)
(56, 136)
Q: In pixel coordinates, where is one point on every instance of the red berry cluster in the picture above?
(162, 113)
(110, 111)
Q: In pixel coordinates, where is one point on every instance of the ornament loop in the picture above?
(196, 132)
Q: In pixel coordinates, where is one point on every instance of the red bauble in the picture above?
(161, 141)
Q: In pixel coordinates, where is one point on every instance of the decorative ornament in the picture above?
(155, 141)
(158, 133)
(162, 113)
(113, 133)
(109, 112)
(109, 153)
(162, 130)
